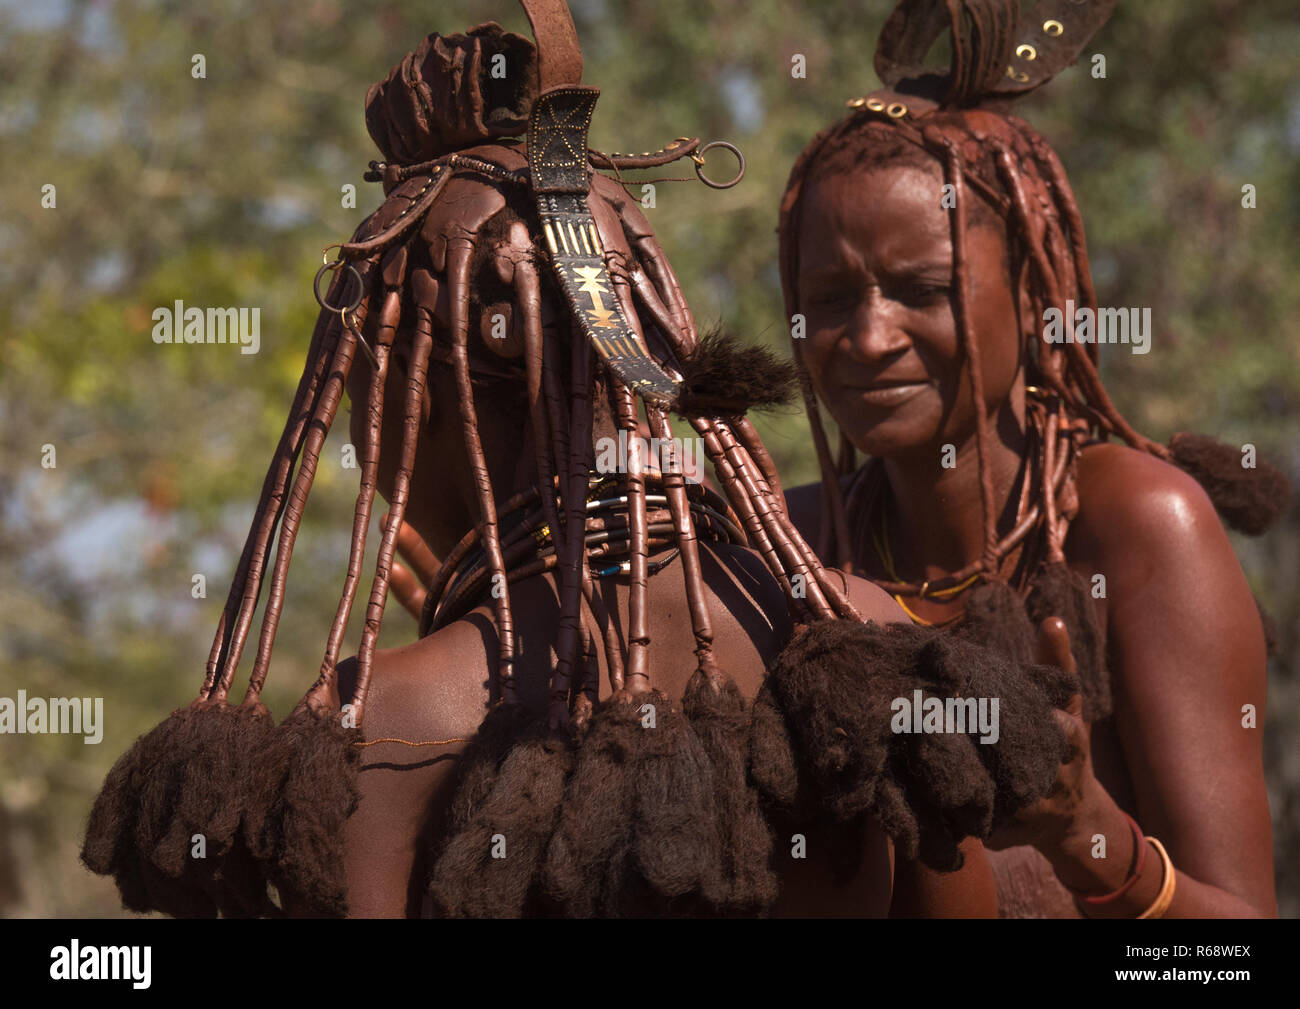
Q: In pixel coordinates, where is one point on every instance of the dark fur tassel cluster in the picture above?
(995, 618)
(998, 619)
(168, 823)
(836, 684)
(638, 833)
(726, 376)
(720, 717)
(772, 764)
(1249, 499)
(650, 813)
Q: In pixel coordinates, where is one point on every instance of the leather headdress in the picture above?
(997, 55)
(441, 98)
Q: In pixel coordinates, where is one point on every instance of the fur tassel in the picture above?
(728, 377)
(826, 684)
(995, 618)
(950, 802)
(772, 764)
(238, 881)
(312, 768)
(481, 762)
(208, 799)
(836, 684)
(638, 832)
(515, 794)
(184, 777)
(1250, 500)
(720, 719)
(109, 847)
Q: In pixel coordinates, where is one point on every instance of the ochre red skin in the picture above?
(437, 688)
(1185, 642)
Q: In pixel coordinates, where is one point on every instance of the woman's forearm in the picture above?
(1096, 856)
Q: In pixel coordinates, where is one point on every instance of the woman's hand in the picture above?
(1077, 826)
(1048, 823)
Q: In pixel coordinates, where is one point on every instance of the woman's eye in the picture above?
(923, 294)
(833, 299)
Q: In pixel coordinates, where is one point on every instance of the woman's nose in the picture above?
(874, 334)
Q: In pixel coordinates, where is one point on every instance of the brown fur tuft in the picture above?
(727, 377)
(772, 764)
(720, 720)
(1250, 500)
(836, 682)
(638, 833)
(181, 779)
(109, 847)
(995, 618)
(518, 796)
(312, 767)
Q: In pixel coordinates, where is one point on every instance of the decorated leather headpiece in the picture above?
(442, 99)
(996, 53)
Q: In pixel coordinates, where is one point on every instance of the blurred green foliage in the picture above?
(221, 191)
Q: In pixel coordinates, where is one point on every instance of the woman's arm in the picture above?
(921, 892)
(1188, 676)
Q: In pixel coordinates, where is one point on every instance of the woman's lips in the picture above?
(890, 395)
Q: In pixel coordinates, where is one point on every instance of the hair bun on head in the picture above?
(443, 96)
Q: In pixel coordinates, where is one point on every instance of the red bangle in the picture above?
(1137, 871)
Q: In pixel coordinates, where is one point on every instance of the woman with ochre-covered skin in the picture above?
(922, 248)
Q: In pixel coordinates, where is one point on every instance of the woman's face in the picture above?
(875, 284)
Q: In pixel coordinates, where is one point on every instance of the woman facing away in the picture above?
(925, 240)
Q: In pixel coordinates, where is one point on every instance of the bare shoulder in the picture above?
(869, 599)
(425, 701)
(434, 688)
(1151, 529)
(1129, 498)
(873, 602)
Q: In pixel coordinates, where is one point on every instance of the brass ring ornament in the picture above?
(698, 158)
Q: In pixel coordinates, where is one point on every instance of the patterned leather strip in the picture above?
(557, 159)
